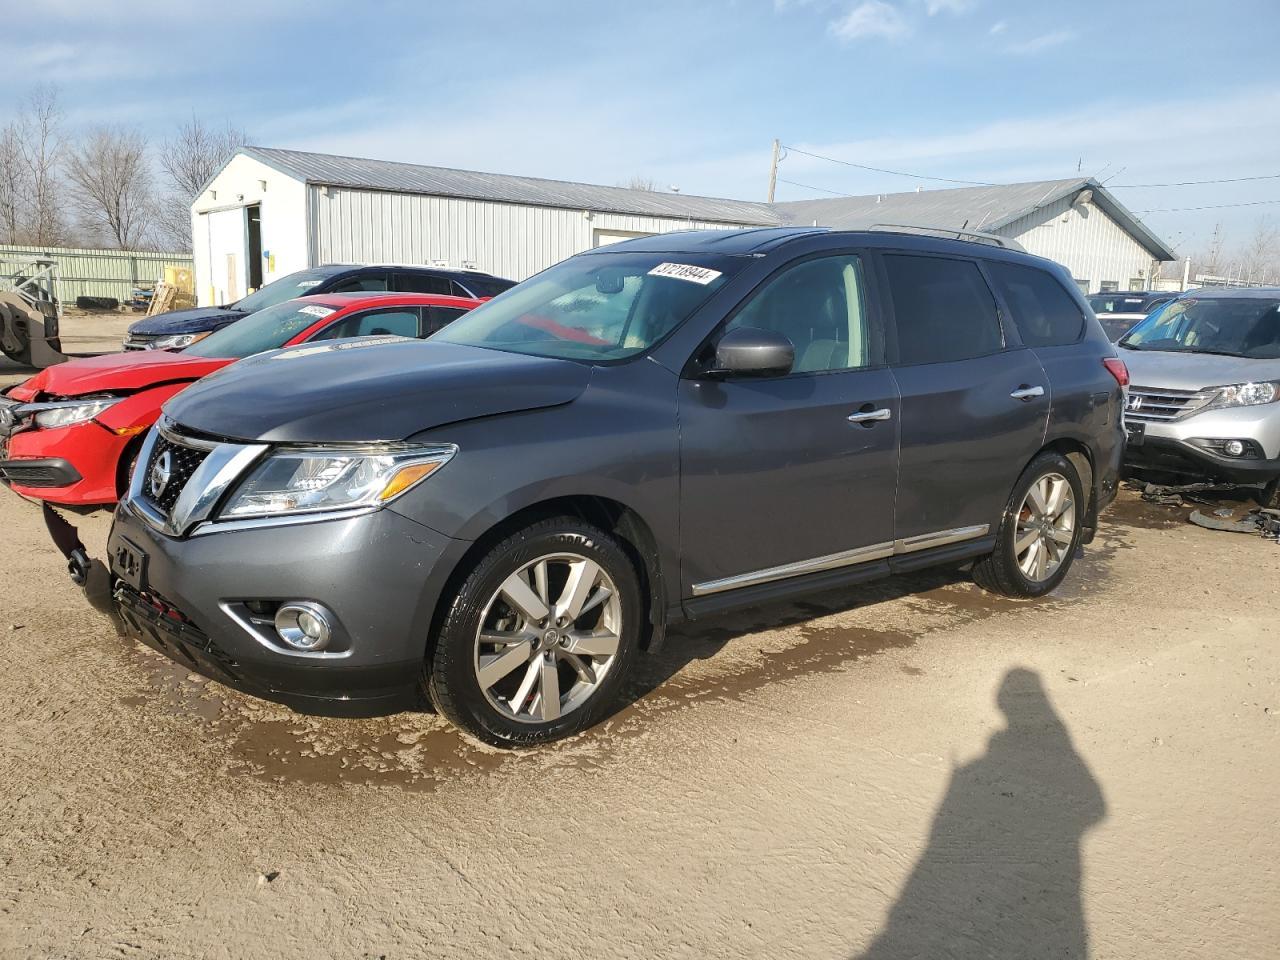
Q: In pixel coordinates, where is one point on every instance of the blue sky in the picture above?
(692, 93)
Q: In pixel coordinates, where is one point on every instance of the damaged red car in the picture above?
(69, 435)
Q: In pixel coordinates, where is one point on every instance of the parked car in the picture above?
(69, 434)
(181, 328)
(1118, 312)
(509, 512)
(1206, 381)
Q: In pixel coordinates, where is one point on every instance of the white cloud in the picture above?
(1042, 42)
(999, 27)
(935, 7)
(871, 18)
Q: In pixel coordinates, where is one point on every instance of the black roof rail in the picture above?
(952, 233)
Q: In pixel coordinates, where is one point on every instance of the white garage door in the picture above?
(602, 238)
(227, 254)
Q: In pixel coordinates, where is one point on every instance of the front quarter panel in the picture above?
(140, 410)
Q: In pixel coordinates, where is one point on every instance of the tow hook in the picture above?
(78, 566)
(90, 575)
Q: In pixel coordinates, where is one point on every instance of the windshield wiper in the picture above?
(1216, 353)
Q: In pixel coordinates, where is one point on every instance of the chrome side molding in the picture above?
(847, 558)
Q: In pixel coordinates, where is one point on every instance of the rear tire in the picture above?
(1039, 531)
(553, 607)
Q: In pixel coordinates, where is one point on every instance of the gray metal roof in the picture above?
(329, 170)
(973, 208)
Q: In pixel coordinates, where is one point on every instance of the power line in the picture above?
(808, 186)
(1215, 206)
(896, 173)
(1199, 183)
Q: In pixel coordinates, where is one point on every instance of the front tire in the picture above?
(1039, 531)
(540, 636)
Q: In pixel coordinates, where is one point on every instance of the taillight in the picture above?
(1115, 366)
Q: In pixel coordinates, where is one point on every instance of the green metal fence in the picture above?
(100, 273)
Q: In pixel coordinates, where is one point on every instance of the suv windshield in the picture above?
(286, 288)
(1122, 303)
(595, 307)
(265, 330)
(1234, 326)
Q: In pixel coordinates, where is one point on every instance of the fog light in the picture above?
(304, 625)
(1233, 448)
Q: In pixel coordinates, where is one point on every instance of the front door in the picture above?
(776, 479)
(974, 408)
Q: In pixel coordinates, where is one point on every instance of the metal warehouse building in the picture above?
(270, 212)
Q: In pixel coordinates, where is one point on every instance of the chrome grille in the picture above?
(140, 341)
(181, 463)
(1161, 404)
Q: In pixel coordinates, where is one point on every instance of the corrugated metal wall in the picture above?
(506, 239)
(97, 273)
(1084, 239)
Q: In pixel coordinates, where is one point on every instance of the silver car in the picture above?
(1205, 385)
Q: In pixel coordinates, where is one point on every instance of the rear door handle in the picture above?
(1026, 392)
(870, 416)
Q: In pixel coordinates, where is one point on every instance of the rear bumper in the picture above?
(1167, 455)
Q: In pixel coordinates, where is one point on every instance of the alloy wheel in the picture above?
(1046, 527)
(548, 637)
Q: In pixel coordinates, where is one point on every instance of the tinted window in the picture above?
(440, 317)
(423, 283)
(374, 323)
(819, 306)
(943, 308)
(360, 283)
(482, 286)
(1045, 314)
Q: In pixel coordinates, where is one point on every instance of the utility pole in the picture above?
(773, 170)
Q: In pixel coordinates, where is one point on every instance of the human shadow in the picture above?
(1000, 878)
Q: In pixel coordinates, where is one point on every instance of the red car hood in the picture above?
(116, 371)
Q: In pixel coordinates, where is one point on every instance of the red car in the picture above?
(69, 435)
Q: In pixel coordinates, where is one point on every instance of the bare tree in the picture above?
(1256, 261)
(189, 159)
(111, 185)
(40, 146)
(640, 183)
(13, 186)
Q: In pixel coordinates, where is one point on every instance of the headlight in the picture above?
(333, 478)
(178, 341)
(1244, 395)
(63, 413)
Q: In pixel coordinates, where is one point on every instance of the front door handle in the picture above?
(870, 416)
(1027, 392)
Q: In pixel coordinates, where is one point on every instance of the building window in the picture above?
(1135, 283)
(1109, 286)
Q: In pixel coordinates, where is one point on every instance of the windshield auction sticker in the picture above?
(316, 311)
(685, 271)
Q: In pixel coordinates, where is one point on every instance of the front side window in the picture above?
(596, 307)
(943, 309)
(265, 330)
(818, 305)
(1045, 314)
(1233, 326)
(373, 323)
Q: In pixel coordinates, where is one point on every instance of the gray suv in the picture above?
(508, 514)
(1206, 381)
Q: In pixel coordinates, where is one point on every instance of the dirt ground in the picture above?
(910, 769)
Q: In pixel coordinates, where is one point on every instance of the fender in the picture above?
(139, 411)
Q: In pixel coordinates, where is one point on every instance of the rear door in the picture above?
(776, 479)
(974, 400)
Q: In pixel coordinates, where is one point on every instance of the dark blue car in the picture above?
(181, 328)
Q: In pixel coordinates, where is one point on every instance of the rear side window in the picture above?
(423, 283)
(376, 323)
(1045, 314)
(440, 317)
(482, 286)
(360, 283)
(943, 308)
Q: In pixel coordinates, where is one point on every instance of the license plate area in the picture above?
(129, 563)
(1135, 433)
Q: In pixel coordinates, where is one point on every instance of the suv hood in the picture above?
(1194, 371)
(195, 320)
(365, 390)
(117, 372)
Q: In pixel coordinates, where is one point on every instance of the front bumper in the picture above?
(75, 466)
(1181, 457)
(380, 574)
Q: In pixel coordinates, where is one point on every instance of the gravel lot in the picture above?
(908, 769)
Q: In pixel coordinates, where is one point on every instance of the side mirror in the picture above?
(752, 352)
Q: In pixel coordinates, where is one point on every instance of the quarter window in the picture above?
(1045, 314)
(820, 307)
(943, 308)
